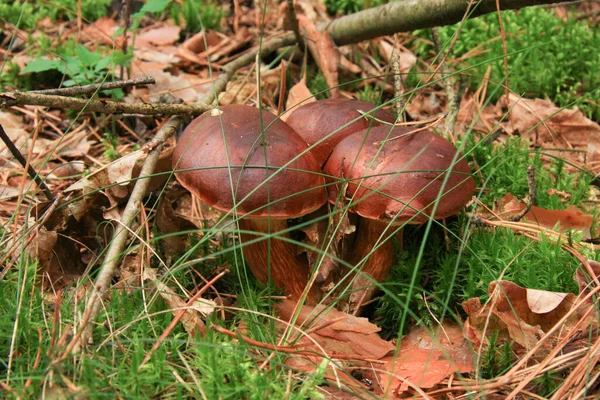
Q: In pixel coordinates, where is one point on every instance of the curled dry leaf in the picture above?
(550, 126)
(114, 181)
(100, 31)
(571, 218)
(59, 260)
(323, 50)
(162, 36)
(168, 225)
(524, 315)
(239, 92)
(299, 95)
(191, 320)
(386, 51)
(425, 359)
(334, 335)
(472, 114)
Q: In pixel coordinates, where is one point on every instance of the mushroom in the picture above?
(332, 119)
(264, 176)
(323, 124)
(394, 176)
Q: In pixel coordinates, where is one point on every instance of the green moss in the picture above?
(547, 56)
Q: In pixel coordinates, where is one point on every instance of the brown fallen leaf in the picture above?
(386, 50)
(100, 31)
(162, 36)
(571, 218)
(324, 52)
(333, 334)
(299, 95)
(59, 259)
(115, 180)
(191, 320)
(521, 314)
(168, 225)
(425, 359)
(550, 126)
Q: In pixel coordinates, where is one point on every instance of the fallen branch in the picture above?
(408, 15)
(120, 237)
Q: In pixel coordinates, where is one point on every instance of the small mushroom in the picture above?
(264, 176)
(332, 119)
(394, 176)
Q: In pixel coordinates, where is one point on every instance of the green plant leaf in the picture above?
(87, 57)
(41, 65)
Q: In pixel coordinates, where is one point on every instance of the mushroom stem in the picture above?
(285, 268)
(378, 262)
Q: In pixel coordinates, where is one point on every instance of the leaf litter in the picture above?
(424, 360)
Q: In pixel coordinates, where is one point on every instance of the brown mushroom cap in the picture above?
(233, 136)
(408, 170)
(316, 120)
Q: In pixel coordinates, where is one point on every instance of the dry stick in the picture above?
(119, 240)
(408, 15)
(75, 90)
(293, 20)
(125, 15)
(453, 102)
(30, 171)
(398, 84)
(120, 237)
(530, 201)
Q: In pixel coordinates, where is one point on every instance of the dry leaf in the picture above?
(299, 95)
(324, 52)
(426, 105)
(549, 126)
(58, 258)
(114, 181)
(571, 218)
(191, 320)
(425, 360)
(167, 224)
(100, 31)
(520, 314)
(162, 36)
(407, 57)
(338, 333)
(471, 110)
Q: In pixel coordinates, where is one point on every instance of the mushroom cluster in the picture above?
(247, 162)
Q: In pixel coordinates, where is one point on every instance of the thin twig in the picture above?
(453, 103)
(293, 20)
(93, 88)
(288, 349)
(30, 171)
(398, 85)
(531, 200)
(125, 16)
